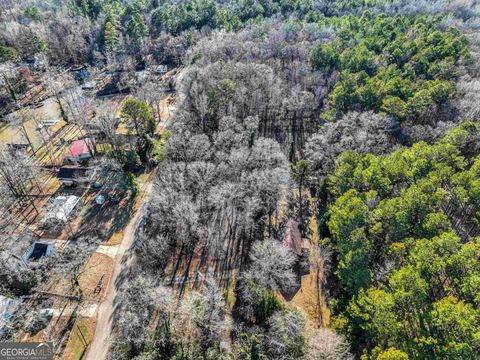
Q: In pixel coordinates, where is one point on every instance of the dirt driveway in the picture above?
(98, 349)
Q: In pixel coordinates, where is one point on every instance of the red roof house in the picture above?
(79, 151)
(293, 239)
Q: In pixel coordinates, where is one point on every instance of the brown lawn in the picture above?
(97, 271)
(80, 337)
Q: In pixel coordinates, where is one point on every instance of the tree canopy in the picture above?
(406, 229)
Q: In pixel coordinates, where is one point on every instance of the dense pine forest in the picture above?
(292, 179)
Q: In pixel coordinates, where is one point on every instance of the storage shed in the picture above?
(39, 249)
(79, 151)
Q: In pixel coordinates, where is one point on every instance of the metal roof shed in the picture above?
(63, 206)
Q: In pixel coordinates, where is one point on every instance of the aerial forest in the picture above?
(292, 179)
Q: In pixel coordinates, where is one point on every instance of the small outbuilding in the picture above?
(80, 73)
(72, 175)
(33, 62)
(161, 69)
(80, 151)
(63, 206)
(293, 241)
(39, 249)
(89, 86)
(100, 200)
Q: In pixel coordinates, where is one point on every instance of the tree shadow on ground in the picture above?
(104, 220)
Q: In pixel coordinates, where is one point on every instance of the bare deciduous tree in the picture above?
(272, 265)
(20, 174)
(324, 344)
(286, 335)
(363, 132)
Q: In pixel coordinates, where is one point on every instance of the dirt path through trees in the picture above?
(310, 296)
(98, 349)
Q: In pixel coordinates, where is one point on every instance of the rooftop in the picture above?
(63, 206)
(80, 147)
(292, 239)
(72, 171)
(39, 250)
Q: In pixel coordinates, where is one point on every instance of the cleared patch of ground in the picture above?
(95, 276)
(115, 239)
(310, 297)
(80, 337)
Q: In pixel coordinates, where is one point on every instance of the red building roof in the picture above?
(80, 147)
(292, 239)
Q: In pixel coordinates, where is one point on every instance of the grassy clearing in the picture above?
(142, 179)
(80, 337)
(310, 297)
(115, 239)
(230, 296)
(104, 148)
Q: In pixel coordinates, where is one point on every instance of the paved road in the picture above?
(98, 349)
